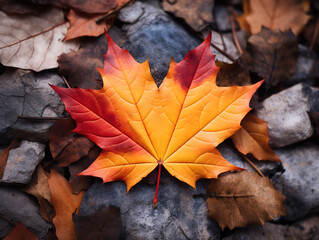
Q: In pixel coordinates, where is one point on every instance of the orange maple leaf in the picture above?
(140, 126)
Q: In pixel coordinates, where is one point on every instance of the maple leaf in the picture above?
(140, 126)
(274, 14)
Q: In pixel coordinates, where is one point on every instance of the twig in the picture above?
(223, 52)
(32, 118)
(47, 164)
(253, 165)
(314, 38)
(110, 14)
(232, 22)
(217, 48)
(7, 220)
(66, 82)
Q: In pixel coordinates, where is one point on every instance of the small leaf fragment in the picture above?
(66, 146)
(243, 198)
(20, 232)
(253, 138)
(4, 155)
(39, 187)
(65, 204)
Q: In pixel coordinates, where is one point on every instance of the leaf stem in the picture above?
(232, 22)
(66, 82)
(314, 37)
(36, 118)
(158, 181)
(253, 165)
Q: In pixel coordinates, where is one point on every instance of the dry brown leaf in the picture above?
(197, 14)
(80, 183)
(311, 35)
(85, 25)
(243, 198)
(79, 67)
(65, 204)
(33, 42)
(39, 188)
(272, 55)
(241, 19)
(66, 146)
(275, 14)
(315, 119)
(4, 155)
(20, 7)
(253, 138)
(86, 6)
(232, 74)
(103, 224)
(20, 232)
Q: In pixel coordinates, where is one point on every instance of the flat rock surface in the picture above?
(22, 162)
(179, 214)
(29, 94)
(286, 114)
(306, 229)
(300, 181)
(18, 206)
(268, 168)
(5, 228)
(225, 43)
(152, 34)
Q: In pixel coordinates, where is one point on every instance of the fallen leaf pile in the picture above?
(119, 125)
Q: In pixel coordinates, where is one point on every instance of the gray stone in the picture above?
(224, 42)
(306, 229)
(5, 228)
(222, 15)
(300, 181)
(29, 94)
(305, 63)
(11, 99)
(314, 99)
(180, 214)
(17, 206)
(154, 35)
(268, 168)
(286, 116)
(22, 162)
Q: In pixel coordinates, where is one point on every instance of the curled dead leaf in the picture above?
(66, 146)
(39, 188)
(197, 14)
(4, 155)
(272, 55)
(253, 138)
